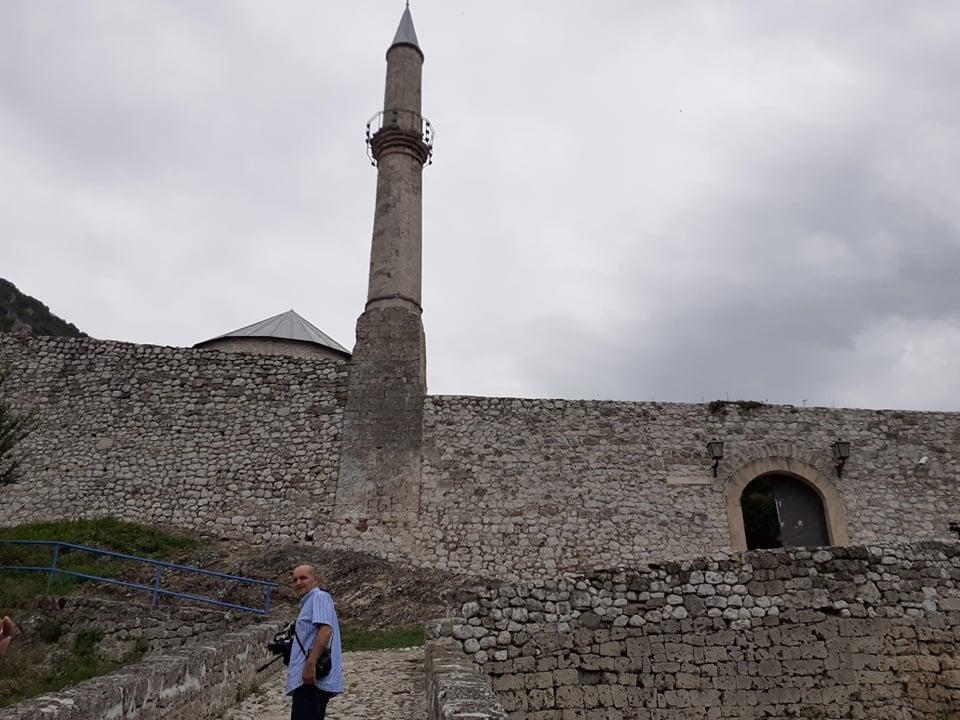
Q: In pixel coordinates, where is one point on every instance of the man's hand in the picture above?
(7, 630)
(310, 673)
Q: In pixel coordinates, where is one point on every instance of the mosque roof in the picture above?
(406, 33)
(285, 326)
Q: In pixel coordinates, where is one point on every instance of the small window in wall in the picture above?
(782, 511)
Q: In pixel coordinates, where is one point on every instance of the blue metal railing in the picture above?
(155, 589)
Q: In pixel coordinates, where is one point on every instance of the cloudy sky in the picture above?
(630, 200)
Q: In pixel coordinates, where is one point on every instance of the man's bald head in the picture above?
(307, 568)
(304, 578)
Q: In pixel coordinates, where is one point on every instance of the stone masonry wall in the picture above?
(456, 689)
(123, 623)
(242, 446)
(856, 632)
(257, 448)
(530, 488)
(195, 681)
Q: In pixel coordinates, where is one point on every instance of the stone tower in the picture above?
(382, 425)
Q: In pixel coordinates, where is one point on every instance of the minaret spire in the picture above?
(406, 34)
(383, 418)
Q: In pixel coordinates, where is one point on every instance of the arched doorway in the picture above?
(781, 510)
(792, 467)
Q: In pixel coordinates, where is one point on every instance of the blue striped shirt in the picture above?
(316, 609)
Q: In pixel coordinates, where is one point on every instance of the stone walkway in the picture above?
(381, 685)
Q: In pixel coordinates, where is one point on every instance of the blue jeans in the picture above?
(309, 703)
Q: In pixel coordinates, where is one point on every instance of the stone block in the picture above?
(569, 697)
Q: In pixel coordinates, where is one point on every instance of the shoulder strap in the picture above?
(302, 648)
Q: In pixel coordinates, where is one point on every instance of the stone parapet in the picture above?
(456, 689)
(123, 624)
(835, 632)
(199, 681)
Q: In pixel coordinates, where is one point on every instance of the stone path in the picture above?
(381, 685)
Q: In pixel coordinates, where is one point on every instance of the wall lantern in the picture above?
(715, 449)
(841, 451)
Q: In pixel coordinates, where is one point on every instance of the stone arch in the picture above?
(833, 507)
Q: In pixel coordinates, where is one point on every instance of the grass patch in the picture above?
(141, 647)
(105, 533)
(28, 671)
(45, 662)
(86, 641)
(49, 631)
(245, 691)
(18, 589)
(407, 636)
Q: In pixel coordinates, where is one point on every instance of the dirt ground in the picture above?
(370, 593)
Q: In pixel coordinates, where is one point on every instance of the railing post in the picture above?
(156, 586)
(266, 604)
(53, 566)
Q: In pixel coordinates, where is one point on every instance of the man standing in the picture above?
(316, 629)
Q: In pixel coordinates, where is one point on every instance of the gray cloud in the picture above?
(629, 200)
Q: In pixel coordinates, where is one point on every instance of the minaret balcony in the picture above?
(403, 131)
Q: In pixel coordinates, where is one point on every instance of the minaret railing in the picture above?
(404, 121)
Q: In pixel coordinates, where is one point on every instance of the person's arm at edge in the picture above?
(324, 633)
(7, 630)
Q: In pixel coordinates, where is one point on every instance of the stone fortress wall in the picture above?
(247, 447)
(858, 632)
(526, 488)
(556, 485)
(235, 445)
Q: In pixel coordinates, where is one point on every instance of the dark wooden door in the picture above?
(802, 522)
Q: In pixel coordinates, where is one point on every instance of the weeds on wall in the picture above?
(719, 407)
(43, 667)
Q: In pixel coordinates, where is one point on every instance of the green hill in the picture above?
(22, 312)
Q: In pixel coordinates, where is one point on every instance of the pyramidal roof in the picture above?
(285, 326)
(406, 33)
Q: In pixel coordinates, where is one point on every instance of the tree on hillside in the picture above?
(14, 427)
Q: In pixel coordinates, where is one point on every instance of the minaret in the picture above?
(382, 425)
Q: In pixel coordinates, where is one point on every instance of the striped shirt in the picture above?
(316, 609)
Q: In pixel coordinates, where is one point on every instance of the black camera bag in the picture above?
(324, 662)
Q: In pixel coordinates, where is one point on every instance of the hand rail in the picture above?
(155, 588)
(408, 120)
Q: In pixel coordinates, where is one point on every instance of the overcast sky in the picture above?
(629, 200)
